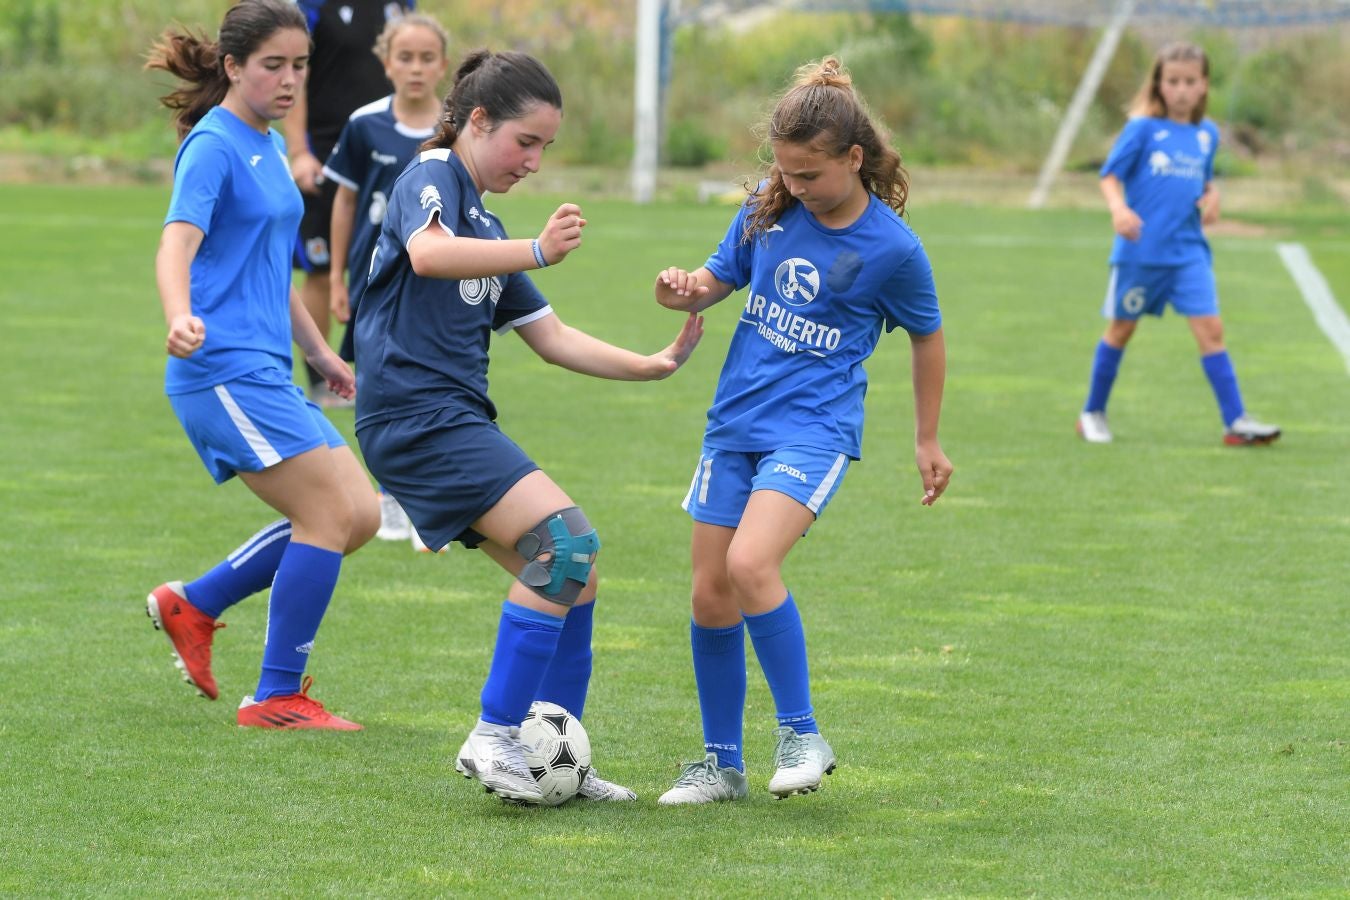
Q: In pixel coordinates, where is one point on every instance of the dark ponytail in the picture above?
(505, 85)
(199, 62)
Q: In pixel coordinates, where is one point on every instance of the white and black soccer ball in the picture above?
(557, 751)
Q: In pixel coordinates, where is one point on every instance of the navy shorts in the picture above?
(252, 423)
(724, 479)
(311, 244)
(446, 468)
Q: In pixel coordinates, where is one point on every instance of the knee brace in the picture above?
(559, 553)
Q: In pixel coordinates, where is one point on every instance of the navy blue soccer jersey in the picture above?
(1164, 166)
(422, 343)
(818, 301)
(234, 183)
(369, 155)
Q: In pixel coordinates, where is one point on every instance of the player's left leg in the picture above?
(772, 524)
(1240, 429)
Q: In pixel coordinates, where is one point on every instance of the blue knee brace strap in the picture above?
(559, 553)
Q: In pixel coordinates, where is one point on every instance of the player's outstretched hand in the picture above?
(674, 356)
(186, 334)
(935, 469)
(338, 375)
(562, 233)
(678, 289)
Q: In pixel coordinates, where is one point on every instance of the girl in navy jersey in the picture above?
(224, 276)
(375, 145)
(830, 265)
(1158, 182)
(443, 278)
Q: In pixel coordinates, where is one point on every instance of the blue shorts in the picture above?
(724, 480)
(252, 423)
(446, 468)
(1135, 291)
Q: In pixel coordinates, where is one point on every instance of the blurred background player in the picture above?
(1158, 182)
(375, 145)
(830, 264)
(444, 278)
(343, 75)
(224, 274)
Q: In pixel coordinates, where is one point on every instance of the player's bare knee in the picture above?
(559, 556)
(365, 522)
(749, 573)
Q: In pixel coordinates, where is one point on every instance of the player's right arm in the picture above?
(1124, 220)
(690, 291)
(178, 245)
(434, 253)
(306, 168)
(339, 243)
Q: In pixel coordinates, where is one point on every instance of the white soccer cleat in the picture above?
(495, 756)
(394, 524)
(1248, 432)
(803, 760)
(706, 782)
(1092, 427)
(593, 787)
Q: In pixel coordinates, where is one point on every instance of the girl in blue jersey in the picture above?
(375, 145)
(830, 264)
(224, 276)
(443, 278)
(1158, 184)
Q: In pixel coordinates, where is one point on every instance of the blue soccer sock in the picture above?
(1223, 379)
(526, 641)
(246, 571)
(1105, 365)
(719, 673)
(304, 584)
(569, 672)
(780, 646)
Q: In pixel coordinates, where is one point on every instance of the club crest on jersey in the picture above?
(473, 290)
(346, 14)
(797, 281)
(430, 197)
(1204, 140)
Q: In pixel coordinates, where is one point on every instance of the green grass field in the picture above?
(1112, 670)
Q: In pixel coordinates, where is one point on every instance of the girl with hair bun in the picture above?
(443, 278)
(830, 264)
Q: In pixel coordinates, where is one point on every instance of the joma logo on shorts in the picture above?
(788, 470)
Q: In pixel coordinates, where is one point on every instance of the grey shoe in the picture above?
(495, 756)
(803, 760)
(593, 787)
(706, 782)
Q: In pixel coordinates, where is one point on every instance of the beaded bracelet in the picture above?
(538, 254)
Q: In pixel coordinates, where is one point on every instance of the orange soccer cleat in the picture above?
(190, 632)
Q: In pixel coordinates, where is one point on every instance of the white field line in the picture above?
(1317, 294)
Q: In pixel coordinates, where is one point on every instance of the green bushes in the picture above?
(952, 91)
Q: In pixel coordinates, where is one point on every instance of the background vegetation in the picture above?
(955, 92)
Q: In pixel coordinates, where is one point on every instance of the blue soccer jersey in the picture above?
(1164, 166)
(234, 183)
(370, 153)
(422, 343)
(818, 300)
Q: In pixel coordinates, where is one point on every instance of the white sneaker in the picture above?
(803, 760)
(1092, 427)
(394, 524)
(495, 756)
(1248, 432)
(593, 787)
(419, 545)
(706, 782)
